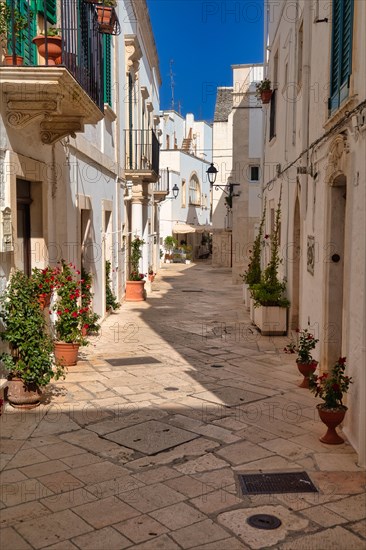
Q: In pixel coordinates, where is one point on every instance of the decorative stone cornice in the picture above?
(133, 53)
(143, 19)
(336, 164)
(49, 95)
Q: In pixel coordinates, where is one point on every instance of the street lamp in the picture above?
(228, 188)
(175, 190)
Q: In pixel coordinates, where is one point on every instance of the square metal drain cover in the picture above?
(266, 484)
(125, 361)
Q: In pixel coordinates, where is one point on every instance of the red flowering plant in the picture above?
(306, 342)
(68, 306)
(331, 386)
(44, 280)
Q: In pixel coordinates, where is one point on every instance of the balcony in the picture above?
(58, 94)
(161, 187)
(142, 155)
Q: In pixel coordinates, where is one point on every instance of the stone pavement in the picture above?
(140, 446)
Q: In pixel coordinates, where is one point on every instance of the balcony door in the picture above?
(24, 201)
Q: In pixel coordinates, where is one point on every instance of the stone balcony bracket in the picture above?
(49, 97)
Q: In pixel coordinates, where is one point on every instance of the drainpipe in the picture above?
(306, 102)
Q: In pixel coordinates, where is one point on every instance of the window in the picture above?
(183, 196)
(341, 58)
(51, 10)
(254, 173)
(194, 191)
(23, 45)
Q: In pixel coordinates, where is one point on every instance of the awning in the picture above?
(181, 228)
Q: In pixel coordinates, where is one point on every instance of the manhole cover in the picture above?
(171, 388)
(264, 521)
(126, 361)
(266, 484)
(217, 366)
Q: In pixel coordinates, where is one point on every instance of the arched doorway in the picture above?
(334, 280)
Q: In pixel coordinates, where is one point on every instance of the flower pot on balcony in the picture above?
(135, 291)
(52, 50)
(44, 300)
(66, 354)
(9, 60)
(266, 96)
(107, 19)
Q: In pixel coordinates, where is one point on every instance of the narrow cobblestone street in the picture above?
(140, 446)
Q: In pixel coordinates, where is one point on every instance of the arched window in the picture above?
(194, 190)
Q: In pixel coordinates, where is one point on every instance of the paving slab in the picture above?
(93, 466)
(151, 437)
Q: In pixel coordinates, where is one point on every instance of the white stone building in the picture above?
(315, 150)
(185, 156)
(79, 154)
(237, 151)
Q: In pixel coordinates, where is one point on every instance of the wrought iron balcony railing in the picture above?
(162, 185)
(79, 35)
(142, 153)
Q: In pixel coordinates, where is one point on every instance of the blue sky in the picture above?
(204, 38)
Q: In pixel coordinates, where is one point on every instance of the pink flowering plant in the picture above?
(68, 306)
(331, 386)
(305, 343)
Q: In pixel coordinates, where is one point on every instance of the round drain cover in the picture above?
(217, 366)
(264, 521)
(170, 388)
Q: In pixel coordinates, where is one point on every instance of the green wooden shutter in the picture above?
(51, 10)
(341, 59)
(23, 45)
(107, 65)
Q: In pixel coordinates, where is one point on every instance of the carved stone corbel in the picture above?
(57, 127)
(133, 54)
(337, 158)
(21, 112)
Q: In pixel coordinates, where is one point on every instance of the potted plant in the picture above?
(44, 280)
(151, 274)
(68, 324)
(252, 275)
(169, 244)
(264, 91)
(330, 387)
(106, 14)
(88, 319)
(111, 302)
(270, 303)
(135, 291)
(29, 362)
(306, 342)
(49, 45)
(12, 21)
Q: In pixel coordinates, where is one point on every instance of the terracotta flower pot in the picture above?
(9, 60)
(266, 96)
(306, 369)
(53, 48)
(66, 354)
(44, 300)
(22, 395)
(151, 278)
(135, 291)
(106, 18)
(331, 418)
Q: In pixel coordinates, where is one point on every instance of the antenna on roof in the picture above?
(179, 106)
(172, 83)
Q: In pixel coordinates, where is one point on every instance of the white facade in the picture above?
(237, 144)
(185, 154)
(85, 201)
(315, 150)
